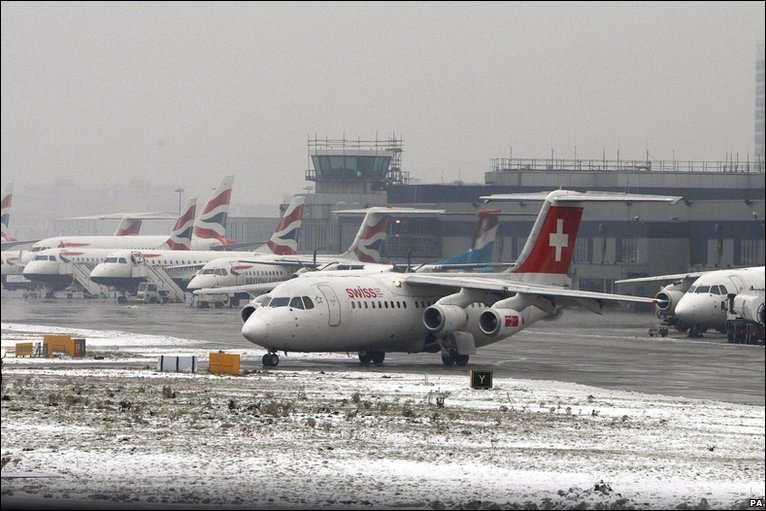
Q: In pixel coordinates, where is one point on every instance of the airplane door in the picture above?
(333, 304)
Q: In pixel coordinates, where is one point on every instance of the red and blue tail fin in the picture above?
(210, 227)
(6, 212)
(180, 238)
(284, 241)
(128, 227)
(367, 246)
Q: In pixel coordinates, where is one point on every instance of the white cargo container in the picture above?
(177, 363)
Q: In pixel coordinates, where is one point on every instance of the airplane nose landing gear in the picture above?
(270, 360)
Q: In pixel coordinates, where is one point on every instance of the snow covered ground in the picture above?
(130, 437)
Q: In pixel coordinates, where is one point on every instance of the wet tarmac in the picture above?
(611, 351)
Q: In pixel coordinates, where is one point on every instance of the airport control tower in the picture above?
(348, 174)
(354, 166)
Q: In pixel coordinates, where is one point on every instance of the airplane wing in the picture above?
(578, 197)
(239, 246)
(549, 296)
(151, 215)
(253, 290)
(663, 278)
(280, 262)
(15, 243)
(426, 267)
(185, 266)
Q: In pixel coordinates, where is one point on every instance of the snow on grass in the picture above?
(367, 438)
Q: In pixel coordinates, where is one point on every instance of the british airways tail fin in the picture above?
(210, 227)
(128, 227)
(367, 246)
(6, 211)
(180, 238)
(284, 241)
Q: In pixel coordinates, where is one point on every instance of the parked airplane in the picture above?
(119, 270)
(52, 268)
(698, 301)
(451, 313)
(205, 234)
(269, 268)
(239, 277)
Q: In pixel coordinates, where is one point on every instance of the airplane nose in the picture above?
(255, 330)
(684, 309)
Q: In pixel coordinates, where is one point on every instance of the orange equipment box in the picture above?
(223, 363)
(64, 344)
(24, 349)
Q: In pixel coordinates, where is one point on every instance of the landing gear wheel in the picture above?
(270, 360)
(377, 357)
(461, 360)
(365, 357)
(448, 359)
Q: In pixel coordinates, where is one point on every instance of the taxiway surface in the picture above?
(612, 351)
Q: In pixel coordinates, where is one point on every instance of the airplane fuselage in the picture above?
(355, 312)
(704, 303)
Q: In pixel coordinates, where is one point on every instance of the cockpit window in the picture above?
(723, 289)
(280, 301)
(207, 271)
(41, 258)
(307, 301)
(222, 272)
(703, 289)
(296, 303)
(111, 260)
(123, 260)
(263, 301)
(691, 289)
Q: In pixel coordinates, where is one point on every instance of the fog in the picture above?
(181, 94)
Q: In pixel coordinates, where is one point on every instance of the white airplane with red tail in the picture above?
(453, 313)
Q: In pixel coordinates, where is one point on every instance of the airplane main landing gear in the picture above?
(270, 360)
(376, 357)
(453, 357)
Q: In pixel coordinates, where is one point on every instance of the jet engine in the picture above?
(667, 299)
(440, 318)
(750, 306)
(500, 322)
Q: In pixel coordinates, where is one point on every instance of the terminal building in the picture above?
(719, 223)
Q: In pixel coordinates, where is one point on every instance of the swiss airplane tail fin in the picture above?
(284, 241)
(210, 227)
(128, 227)
(550, 246)
(180, 238)
(6, 211)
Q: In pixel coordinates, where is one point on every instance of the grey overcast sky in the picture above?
(184, 93)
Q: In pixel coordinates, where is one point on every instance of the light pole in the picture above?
(179, 191)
